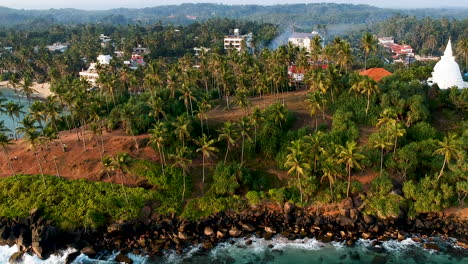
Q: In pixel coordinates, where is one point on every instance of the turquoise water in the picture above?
(10, 95)
(284, 251)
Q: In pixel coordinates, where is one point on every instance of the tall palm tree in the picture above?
(450, 147)
(26, 124)
(255, 119)
(37, 110)
(157, 107)
(188, 98)
(278, 114)
(120, 163)
(32, 137)
(14, 111)
(181, 128)
(181, 159)
(381, 142)
(228, 133)
(330, 172)
(316, 102)
(462, 50)
(5, 143)
(296, 163)
(366, 86)
(350, 156)
(207, 149)
(368, 45)
(158, 135)
(244, 128)
(26, 87)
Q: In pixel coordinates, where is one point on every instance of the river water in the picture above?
(280, 250)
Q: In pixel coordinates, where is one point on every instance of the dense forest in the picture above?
(409, 137)
(301, 15)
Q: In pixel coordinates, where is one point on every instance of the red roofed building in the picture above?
(296, 73)
(376, 73)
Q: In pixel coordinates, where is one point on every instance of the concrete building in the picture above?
(302, 40)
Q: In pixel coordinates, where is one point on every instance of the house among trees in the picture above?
(237, 41)
(91, 75)
(400, 52)
(376, 73)
(296, 74)
(140, 50)
(62, 47)
(135, 62)
(302, 40)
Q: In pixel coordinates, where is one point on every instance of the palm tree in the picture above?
(366, 86)
(5, 142)
(181, 128)
(296, 163)
(27, 89)
(278, 114)
(329, 172)
(349, 156)
(255, 119)
(207, 149)
(315, 102)
(120, 163)
(26, 124)
(14, 111)
(229, 134)
(368, 45)
(37, 110)
(32, 137)
(381, 142)
(158, 135)
(203, 108)
(157, 107)
(243, 126)
(187, 97)
(450, 147)
(181, 160)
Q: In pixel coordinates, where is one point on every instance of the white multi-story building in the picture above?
(302, 40)
(62, 47)
(91, 74)
(236, 41)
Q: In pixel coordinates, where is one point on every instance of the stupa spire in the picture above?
(448, 50)
(446, 72)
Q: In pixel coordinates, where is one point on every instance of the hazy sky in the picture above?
(108, 4)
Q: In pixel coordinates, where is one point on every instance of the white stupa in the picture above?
(446, 72)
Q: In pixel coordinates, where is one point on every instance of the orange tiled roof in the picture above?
(376, 73)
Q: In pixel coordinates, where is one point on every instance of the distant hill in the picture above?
(301, 15)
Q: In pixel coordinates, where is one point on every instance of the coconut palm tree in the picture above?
(32, 137)
(368, 45)
(158, 136)
(278, 114)
(181, 159)
(5, 143)
(181, 128)
(329, 171)
(207, 149)
(26, 87)
(365, 86)
(157, 107)
(462, 50)
(381, 141)
(187, 97)
(14, 111)
(450, 147)
(350, 156)
(244, 128)
(36, 110)
(296, 163)
(228, 133)
(255, 120)
(316, 102)
(120, 163)
(26, 124)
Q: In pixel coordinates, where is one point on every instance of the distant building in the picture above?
(191, 17)
(104, 40)
(91, 75)
(235, 41)
(376, 73)
(135, 62)
(140, 50)
(426, 58)
(447, 72)
(119, 54)
(386, 41)
(200, 49)
(296, 73)
(302, 40)
(61, 47)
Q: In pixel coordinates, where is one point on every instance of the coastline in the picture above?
(42, 89)
(152, 235)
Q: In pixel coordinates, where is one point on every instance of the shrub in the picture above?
(254, 197)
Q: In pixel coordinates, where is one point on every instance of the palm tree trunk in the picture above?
(40, 168)
(56, 167)
(203, 170)
(368, 103)
(242, 153)
(442, 170)
(123, 187)
(349, 180)
(162, 163)
(381, 161)
(227, 151)
(300, 184)
(58, 136)
(183, 190)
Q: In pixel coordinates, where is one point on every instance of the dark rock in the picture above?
(368, 219)
(16, 258)
(121, 258)
(71, 257)
(270, 229)
(353, 214)
(248, 227)
(345, 221)
(248, 242)
(289, 207)
(347, 203)
(419, 224)
(432, 246)
(366, 235)
(89, 251)
(267, 236)
(235, 232)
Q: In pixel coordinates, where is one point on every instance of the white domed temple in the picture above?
(446, 72)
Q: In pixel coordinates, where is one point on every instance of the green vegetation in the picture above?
(413, 136)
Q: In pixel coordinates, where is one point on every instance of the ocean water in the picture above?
(283, 251)
(10, 95)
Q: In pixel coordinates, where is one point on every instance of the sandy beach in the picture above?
(42, 89)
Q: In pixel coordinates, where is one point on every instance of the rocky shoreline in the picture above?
(152, 234)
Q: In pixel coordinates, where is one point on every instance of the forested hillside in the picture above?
(302, 15)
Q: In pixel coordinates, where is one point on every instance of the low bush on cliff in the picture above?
(70, 203)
